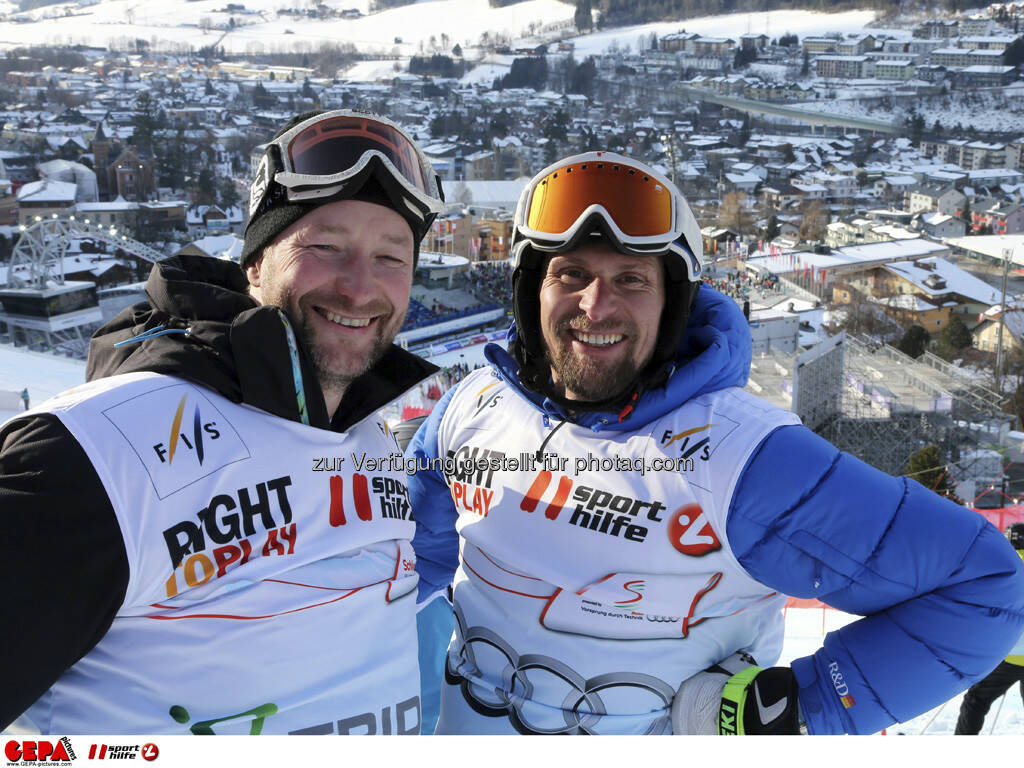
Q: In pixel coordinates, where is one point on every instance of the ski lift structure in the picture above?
(42, 309)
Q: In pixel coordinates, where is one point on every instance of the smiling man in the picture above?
(188, 566)
(599, 313)
(594, 599)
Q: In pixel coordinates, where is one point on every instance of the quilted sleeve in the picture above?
(940, 590)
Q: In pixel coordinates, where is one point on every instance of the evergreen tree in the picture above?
(914, 341)
(204, 187)
(1018, 403)
(584, 77)
(914, 125)
(928, 468)
(227, 193)
(952, 338)
(771, 229)
(584, 16)
(144, 123)
(261, 98)
(1014, 53)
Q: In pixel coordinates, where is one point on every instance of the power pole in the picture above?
(1007, 256)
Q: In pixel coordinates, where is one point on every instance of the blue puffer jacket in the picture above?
(940, 590)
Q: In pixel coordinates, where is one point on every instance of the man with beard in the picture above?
(192, 540)
(631, 519)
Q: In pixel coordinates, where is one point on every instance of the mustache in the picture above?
(344, 306)
(581, 322)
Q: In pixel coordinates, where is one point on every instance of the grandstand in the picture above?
(881, 405)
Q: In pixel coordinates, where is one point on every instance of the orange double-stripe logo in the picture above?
(360, 497)
(536, 492)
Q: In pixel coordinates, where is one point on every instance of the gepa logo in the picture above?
(839, 683)
(39, 751)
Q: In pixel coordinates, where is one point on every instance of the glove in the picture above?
(735, 698)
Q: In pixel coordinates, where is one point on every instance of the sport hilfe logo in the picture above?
(597, 510)
(690, 532)
(392, 498)
(147, 751)
(166, 452)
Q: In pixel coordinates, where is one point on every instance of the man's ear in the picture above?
(252, 272)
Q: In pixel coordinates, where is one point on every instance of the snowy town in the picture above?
(858, 181)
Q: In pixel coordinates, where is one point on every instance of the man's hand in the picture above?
(736, 697)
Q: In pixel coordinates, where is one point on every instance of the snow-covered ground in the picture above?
(177, 24)
(981, 110)
(770, 23)
(44, 375)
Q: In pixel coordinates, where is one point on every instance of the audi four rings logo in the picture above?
(582, 708)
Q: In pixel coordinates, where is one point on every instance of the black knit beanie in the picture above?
(270, 212)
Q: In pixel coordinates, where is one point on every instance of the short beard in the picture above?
(330, 379)
(590, 381)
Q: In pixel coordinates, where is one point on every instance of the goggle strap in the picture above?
(265, 193)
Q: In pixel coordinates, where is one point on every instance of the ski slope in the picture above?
(46, 375)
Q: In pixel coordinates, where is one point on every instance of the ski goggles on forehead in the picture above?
(635, 206)
(318, 156)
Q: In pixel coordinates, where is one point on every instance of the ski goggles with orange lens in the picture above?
(640, 210)
(319, 156)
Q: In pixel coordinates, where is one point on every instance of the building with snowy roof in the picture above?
(986, 334)
(44, 199)
(984, 76)
(992, 249)
(845, 67)
(940, 225)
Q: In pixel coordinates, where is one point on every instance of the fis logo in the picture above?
(385, 430)
(690, 532)
(485, 400)
(166, 451)
(839, 683)
(688, 447)
(26, 751)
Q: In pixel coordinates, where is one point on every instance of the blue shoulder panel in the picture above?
(437, 556)
(940, 589)
(436, 542)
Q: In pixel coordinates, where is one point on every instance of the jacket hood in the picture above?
(714, 353)
(200, 324)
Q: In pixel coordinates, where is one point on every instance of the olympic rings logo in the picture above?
(582, 707)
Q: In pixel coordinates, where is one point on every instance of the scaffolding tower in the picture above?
(880, 405)
(37, 305)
